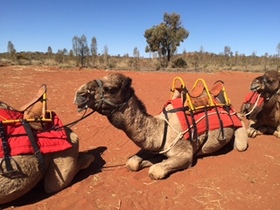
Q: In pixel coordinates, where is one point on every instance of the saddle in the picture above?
(200, 96)
(35, 111)
(33, 117)
(196, 104)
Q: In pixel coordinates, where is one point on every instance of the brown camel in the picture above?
(262, 107)
(20, 173)
(114, 97)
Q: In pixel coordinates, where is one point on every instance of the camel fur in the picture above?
(114, 97)
(61, 167)
(265, 118)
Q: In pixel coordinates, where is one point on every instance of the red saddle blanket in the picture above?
(229, 119)
(252, 98)
(48, 141)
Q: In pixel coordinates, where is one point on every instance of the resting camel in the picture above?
(20, 173)
(114, 97)
(262, 107)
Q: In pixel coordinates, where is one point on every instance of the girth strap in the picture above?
(10, 172)
(6, 147)
(34, 144)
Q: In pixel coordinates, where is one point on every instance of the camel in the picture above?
(261, 106)
(21, 173)
(161, 135)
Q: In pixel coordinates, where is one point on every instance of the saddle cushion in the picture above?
(228, 119)
(48, 141)
(252, 97)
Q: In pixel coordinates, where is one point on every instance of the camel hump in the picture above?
(36, 98)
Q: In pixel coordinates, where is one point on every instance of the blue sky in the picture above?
(246, 26)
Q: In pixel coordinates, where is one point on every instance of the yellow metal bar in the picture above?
(28, 120)
(44, 105)
(173, 88)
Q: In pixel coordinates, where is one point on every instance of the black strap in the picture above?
(34, 144)
(6, 147)
(221, 125)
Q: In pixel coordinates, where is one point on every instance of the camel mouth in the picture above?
(81, 101)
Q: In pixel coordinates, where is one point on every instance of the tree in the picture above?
(105, 54)
(166, 37)
(50, 51)
(136, 53)
(93, 49)
(227, 51)
(80, 48)
(11, 50)
(278, 49)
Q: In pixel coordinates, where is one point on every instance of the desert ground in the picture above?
(225, 180)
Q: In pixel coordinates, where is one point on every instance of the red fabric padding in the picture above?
(229, 120)
(252, 97)
(48, 141)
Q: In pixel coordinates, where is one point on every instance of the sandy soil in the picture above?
(228, 180)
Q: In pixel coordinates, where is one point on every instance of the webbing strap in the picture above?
(6, 147)
(34, 144)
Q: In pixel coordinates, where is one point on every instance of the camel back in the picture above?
(200, 96)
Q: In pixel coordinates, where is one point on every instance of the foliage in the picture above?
(166, 37)
(80, 48)
(179, 63)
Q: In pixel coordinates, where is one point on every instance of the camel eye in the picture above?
(270, 81)
(110, 90)
(267, 81)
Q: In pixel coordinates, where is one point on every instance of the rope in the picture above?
(255, 105)
(181, 134)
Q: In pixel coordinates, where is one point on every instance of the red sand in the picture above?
(229, 180)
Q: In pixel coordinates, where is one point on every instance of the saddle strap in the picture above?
(6, 148)
(34, 144)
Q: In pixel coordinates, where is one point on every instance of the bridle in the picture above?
(103, 100)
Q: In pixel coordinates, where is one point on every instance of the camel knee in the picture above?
(241, 139)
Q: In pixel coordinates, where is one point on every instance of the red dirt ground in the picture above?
(228, 180)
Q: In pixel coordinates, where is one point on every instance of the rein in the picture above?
(255, 105)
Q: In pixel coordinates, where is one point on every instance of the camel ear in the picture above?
(127, 82)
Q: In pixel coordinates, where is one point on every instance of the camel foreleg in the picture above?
(142, 159)
(178, 158)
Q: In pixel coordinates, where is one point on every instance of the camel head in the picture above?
(105, 95)
(257, 84)
(269, 83)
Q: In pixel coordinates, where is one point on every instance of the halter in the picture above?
(103, 100)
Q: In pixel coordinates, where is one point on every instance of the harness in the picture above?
(103, 100)
(197, 106)
(31, 120)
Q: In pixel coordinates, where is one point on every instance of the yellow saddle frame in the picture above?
(35, 110)
(200, 90)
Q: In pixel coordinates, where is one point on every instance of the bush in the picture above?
(179, 63)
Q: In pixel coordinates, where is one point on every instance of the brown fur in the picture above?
(126, 112)
(266, 119)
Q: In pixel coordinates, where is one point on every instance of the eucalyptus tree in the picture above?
(166, 37)
(11, 50)
(93, 49)
(80, 48)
